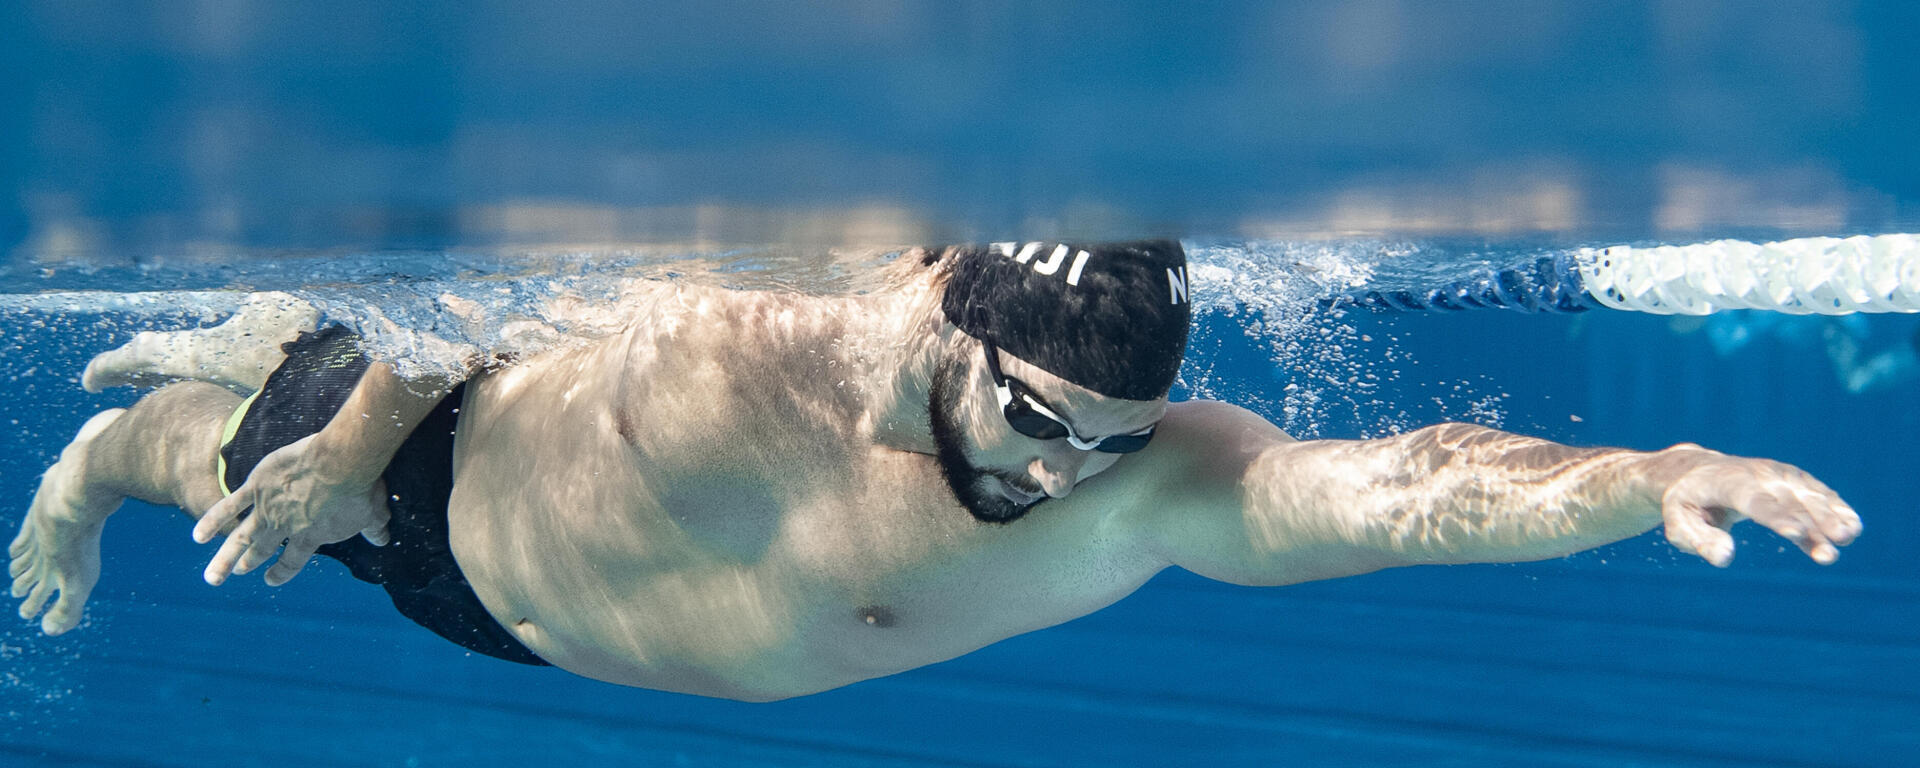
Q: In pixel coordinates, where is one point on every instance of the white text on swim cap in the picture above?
(1176, 285)
(1052, 263)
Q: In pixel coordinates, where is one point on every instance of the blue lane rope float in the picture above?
(1815, 275)
(1549, 284)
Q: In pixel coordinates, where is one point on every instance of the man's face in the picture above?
(997, 472)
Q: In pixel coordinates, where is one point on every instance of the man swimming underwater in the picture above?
(758, 495)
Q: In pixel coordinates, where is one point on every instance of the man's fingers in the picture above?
(1691, 529)
(1801, 516)
(1846, 522)
(292, 559)
(266, 541)
(1783, 516)
(1827, 515)
(1836, 521)
(236, 544)
(223, 513)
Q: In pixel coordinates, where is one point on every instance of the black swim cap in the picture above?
(1112, 318)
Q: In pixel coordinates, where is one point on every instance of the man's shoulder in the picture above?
(1200, 445)
(1212, 421)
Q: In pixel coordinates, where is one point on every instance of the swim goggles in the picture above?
(1030, 416)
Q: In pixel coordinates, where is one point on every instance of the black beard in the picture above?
(964, 478)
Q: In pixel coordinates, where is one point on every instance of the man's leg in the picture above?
(236, 354)
(164, 451)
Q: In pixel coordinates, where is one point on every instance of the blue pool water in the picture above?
(1631, 654)
(376, 154)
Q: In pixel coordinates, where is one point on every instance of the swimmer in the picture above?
(761, 495)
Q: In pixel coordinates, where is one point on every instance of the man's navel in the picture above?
(877, 616)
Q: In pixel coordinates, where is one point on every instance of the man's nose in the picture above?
(1058, 473)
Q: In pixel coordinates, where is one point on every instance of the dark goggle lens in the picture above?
(1033, 424)
(1029, 422)
(1024, 419)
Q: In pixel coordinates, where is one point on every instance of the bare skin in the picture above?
(739, 495)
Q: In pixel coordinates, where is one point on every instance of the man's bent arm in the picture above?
(324, 487)
(359, 441)
(1268, 510)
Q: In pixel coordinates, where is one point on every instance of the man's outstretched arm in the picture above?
(324, 487)
(1257, 507)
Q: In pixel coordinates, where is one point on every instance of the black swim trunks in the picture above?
(417, 567)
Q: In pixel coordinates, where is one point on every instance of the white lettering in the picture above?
(1052, 264)
(1079, 260)
(1176, 285)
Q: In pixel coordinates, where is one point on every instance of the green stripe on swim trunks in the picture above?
(226, 436)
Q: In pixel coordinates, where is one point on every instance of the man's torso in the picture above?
(700, 505)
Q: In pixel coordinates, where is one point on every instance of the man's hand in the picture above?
(1720, 490)
(293, 502)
